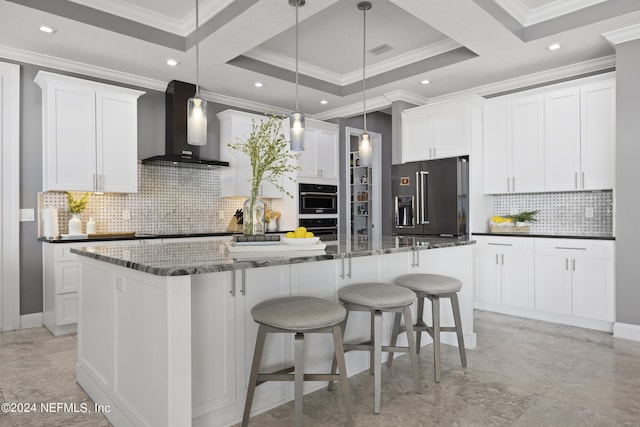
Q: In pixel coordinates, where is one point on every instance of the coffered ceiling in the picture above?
(457, 45)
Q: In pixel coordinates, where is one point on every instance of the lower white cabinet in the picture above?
(561, 280)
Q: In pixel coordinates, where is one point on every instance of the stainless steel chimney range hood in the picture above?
(177, 151)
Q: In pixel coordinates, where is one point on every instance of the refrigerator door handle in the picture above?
(418, 219)
(423, 187)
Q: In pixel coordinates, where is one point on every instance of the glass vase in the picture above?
(253, 216)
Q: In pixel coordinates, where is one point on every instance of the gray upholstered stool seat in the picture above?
(433, 284)
(298, 315)
(377, 298)
(377, 295)
(433, 287)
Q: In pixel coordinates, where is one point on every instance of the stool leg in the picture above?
(342, 366)
(298, 376)
(419, 322)
(456, 317)
(435, 303)
(377, 360)
(394, 336)
(253, 377)
(371, 354)
(412, 347)
(334, 363)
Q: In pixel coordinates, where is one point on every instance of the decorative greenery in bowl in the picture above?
(524, 216)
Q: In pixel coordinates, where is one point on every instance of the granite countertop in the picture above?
(139, 236)
(585, 235)
(179, 259)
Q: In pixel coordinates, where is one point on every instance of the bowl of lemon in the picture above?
(300, 237)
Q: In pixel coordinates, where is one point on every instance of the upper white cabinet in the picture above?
(560, 139)
(440, 130)
(236, 126)
(320, 156)
(89, 135)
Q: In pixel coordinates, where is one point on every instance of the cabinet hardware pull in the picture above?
(575, 180)
(513, 183)
(508, 185)
(342, 268)
(502, 259)
(243, 289)
(430, 155)
(582, 179)
(497, 259)
(573, 264)
(233, 284)
(574, 249)
(349, 275)
(501, 244)
(566, 264)
(417, 258)
(434, 152)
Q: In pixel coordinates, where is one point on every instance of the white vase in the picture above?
(75, 225)
(272, 225)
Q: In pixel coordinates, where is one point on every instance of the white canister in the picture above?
(75, 225)
(91, 226)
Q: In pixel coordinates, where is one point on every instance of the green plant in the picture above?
(268, 151)
(524, 216)
(76, 206)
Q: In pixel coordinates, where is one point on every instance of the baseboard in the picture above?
(33, 320)
(626, 331)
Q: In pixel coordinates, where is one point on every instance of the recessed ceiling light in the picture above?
(424, 82)
(324, 102)
(172, 62)
(47, 30)
(258, 84)
(554, 46)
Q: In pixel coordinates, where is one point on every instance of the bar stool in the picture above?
(377, 298)
(433, 287)
(298, 315)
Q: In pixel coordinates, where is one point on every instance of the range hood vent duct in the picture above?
(177, 151)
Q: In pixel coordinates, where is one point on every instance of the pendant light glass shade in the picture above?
(297, 119)
(364, 150)
(297, 132)
(364, 144)
(196, 121)
(196, 106)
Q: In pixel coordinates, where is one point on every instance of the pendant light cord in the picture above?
(364, 46)
(297, 110)
(197, 53)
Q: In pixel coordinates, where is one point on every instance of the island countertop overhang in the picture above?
(179, 259)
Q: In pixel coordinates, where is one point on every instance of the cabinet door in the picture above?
(69, 138)
(451, 130)
(308, 160)
(592, 288)
(328, 153)
(488, 277)
(517, 280)
(213, 336)
(562, 140)
(417, 135)
(553, 284)
(117, 142)
(598, 135)
(497, 148)
(528, 145)
(236, 180)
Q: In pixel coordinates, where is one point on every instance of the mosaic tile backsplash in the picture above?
(170, 200)
(561, 212)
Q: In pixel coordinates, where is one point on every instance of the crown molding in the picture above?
(406, 96)
(207, 11)
(526, 16)
(240, 103)
(373, 104)
(623, 35)
(80, 68)
(288, 63)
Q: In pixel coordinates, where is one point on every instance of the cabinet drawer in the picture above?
(575, 248)
(67, 308)
(67, 276)
(505, 244)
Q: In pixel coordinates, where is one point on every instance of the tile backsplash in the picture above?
(561, 212)
(170, 200)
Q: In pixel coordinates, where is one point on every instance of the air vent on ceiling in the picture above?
(379, 50)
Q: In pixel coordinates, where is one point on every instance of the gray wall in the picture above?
(151, 142)
(627, 177)
(397, 107)
(380, 123)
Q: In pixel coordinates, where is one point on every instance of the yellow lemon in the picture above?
(308, 234)
(301, 229)
(290, 235)
(299, 234)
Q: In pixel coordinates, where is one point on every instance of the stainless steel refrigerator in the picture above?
(431, 197)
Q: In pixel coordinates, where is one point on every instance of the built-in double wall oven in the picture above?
(318, 210)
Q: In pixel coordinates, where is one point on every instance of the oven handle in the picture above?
(315, 193)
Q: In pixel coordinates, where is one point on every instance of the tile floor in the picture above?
(523, 373)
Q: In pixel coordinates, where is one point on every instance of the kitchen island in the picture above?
(165, 335)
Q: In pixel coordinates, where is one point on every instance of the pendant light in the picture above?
(196, 106)
(364, 145)
(297, 118)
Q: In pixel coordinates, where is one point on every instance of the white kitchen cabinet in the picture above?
(320, 156)
(497, 159)
(505, 271)
(89, 135)
(440, 130)
(575, 277)
(235, 181)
